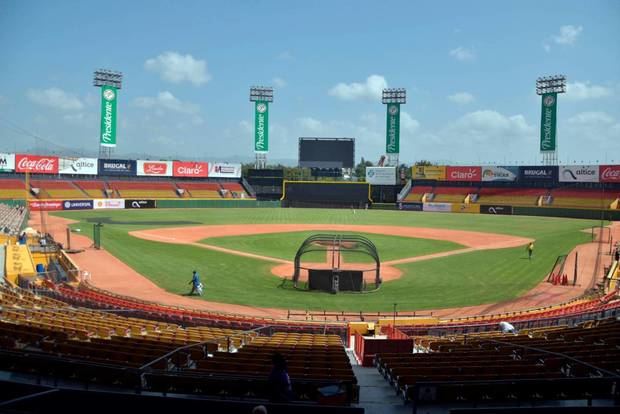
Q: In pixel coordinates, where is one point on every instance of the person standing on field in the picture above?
(530, 250)
(196, 285)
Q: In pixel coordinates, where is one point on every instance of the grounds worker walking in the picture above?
(196, 285)
(530, 250)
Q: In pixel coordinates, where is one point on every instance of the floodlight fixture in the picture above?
(261, 94)
(551, 84)
(106, 77)
(394, 95)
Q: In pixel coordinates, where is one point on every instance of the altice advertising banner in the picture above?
(579, 173)
(83, 166)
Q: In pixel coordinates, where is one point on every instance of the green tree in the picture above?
(360, 169)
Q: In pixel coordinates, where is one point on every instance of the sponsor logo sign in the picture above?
(609, 173)
(139, 203)
(437, 207)
(36, 164)
(392, 134)
(410, 206)
(501, 210)
(579, 173)
(465, 208)
(84, 166)
(463, 173)
(45, 205)
(159, 168)
(381, 175)
(261, 127)
(493, 173)
(190, 169)
(108, 203)
(548, 122)
(77, 205)
(538, 173)
(7, 162)
(108, 116)
(218, 170)
(117, 167)
(431, 172)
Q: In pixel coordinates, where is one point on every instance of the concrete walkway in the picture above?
(376, 395)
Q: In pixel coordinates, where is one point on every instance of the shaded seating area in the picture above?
(57, 189)
(12, 188)
(143, 189)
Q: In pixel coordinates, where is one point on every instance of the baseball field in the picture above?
(437, 260)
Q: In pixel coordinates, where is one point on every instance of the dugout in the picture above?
(327, 194)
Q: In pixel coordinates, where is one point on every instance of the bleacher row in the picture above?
(558, 197)
(11, 218)
(13, 188)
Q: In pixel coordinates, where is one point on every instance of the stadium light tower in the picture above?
(548, 87)
(262, 96)
(393, 98)
(110, 82)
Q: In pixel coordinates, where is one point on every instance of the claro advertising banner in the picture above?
(7, 162)
(190, 169)
(579, 173)
(381, 175)
(219, 170)
(154, 168)
(83, 166)
(609, 173)
(36, 164)
(463, 173)
(498, 173)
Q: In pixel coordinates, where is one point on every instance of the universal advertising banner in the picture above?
(107, 137)
(466, 208)
(261, 126)
(36, 164)
(190, 169)
(609, 173)
(77, 205)
(538, 173)
(430, 172)
(437, 207)
(108, 203)
(7, 162)
(502, 210)
(129, 204)
(410, 206)
(463, 173)
(217, 170)
(381, 175)
(157, 168)
(117, 167)
(45, 205)
(493, 173)
(83, 166)
(578, 173)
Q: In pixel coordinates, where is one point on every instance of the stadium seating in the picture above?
(57, 189)
(583, 198)
(143, 189)
(201, 190)
(92, 188)
(452, 194)
(417, 192)
(12, 189)
(510, 196)
(235, 190)
(11, 219)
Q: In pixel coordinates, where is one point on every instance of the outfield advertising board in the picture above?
(494, 209)
(77, 205)
(609, 173)
(45, 205)
(190, 169)
(154, 168)
(538, 173)
(220, 170)
(117, 167)
(36, 164)
(429, 172)
(500, 173)
(108, 203)
(465, 208)
(381, 175)
(7, 162)
(410, 206)
(472, 173)
(132, 204)
(437, 207)
(82, 166)
(579, 173)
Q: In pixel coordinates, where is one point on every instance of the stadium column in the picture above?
(261, 96)
(110, 82)
(548, 88)
(393, 98)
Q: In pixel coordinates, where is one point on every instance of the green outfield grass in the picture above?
(285, 245)
(460, 280)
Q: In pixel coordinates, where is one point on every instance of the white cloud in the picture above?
(55, 98)
(310, 124)
(370, 89)
(568, 35)
(593, 117)
(166, 101)
(578, 91)
(279, 82)
(489, 126)
(408, 124)
(174, 67)
(461, 98)
(463, 54)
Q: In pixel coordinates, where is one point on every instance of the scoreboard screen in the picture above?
(327, 152)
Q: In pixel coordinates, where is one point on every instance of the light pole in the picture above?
(110, 82)
(548, 87)
(393, 98)
(262, 96)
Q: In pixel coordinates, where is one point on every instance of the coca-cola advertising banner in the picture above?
(218, 170)
(83, 166)
(190, 169)
(44, 205)
(7, 162)
(36, 164)
(158, 168)
(463, 173)
(609, 173)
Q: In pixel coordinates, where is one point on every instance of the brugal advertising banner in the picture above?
(495, 173)
(381, 175)
(129, 204)
(107, 136)
(83, 166)
(117, 167)
(538, 173)
(7, 162)
(501, 210)
(579, 173)
(261, 126)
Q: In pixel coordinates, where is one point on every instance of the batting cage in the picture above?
(329, 194)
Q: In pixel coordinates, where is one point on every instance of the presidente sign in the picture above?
(117, 167)
(261, 126)
(190, 169)
(83, 166)
(609, 173)
(381, 175)
(7, 162)
(158, 168)
(36, 164)
(108, 116)
(579, 173)
(392, 138)
(219, 170)
(463, 173)
(538, 173)
(493, 173)
(548, 122)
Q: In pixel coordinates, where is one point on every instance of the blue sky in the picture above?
(469, 69)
